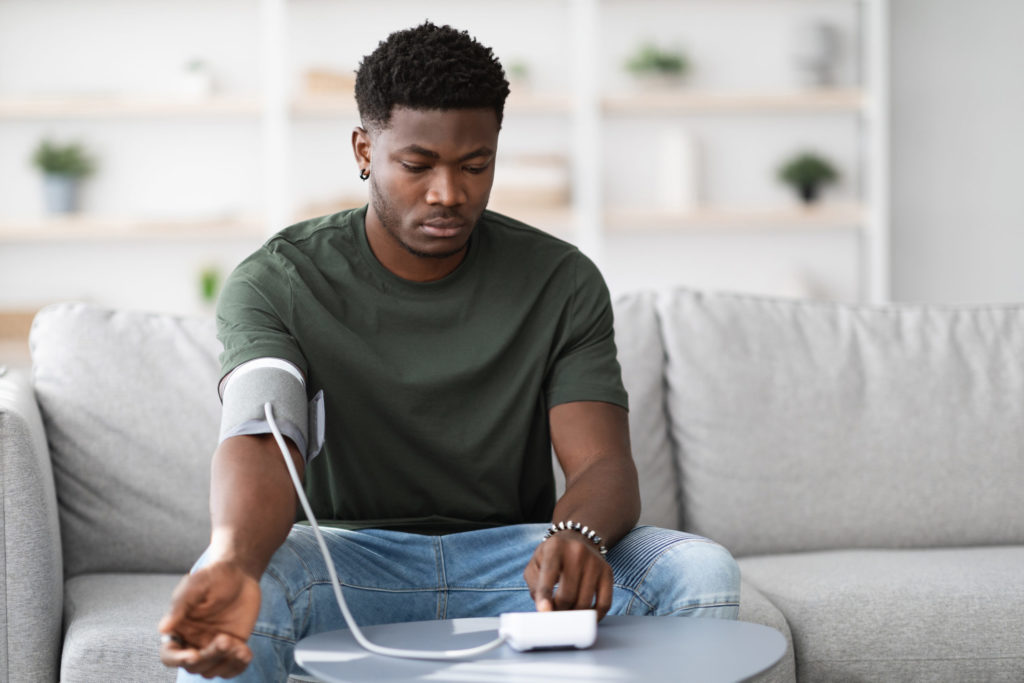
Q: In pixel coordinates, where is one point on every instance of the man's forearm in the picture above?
(604, 496)
(252, 501)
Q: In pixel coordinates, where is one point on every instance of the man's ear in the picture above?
(361, 146)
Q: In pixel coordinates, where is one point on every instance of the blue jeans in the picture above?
(389, 576)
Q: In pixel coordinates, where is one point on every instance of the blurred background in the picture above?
(850, 150)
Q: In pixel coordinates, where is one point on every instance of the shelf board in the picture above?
(695, 102)
(638, 102)
(345, 104)
(116, 106)
(100, 229)
(324, 105)
(538, 103)
(556, 219)
(822, 217)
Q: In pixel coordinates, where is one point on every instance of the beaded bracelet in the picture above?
(570, 525)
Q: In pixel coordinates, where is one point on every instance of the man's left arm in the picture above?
(591, 441)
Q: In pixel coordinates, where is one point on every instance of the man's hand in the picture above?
(212, 614)
(583, 576)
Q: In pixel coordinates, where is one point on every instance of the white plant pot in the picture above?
(60, 193)
(197, 84)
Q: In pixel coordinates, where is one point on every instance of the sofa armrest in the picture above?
(757, 608)
(31, 567)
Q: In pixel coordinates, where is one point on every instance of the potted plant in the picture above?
(653, 64)
(197, 79)
(209, 285)
(63, 167)
(806, 173)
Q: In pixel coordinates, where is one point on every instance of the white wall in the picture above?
(957, 150)
(185, 167)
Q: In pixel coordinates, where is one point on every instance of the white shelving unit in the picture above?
(866, 217)
(590, 108)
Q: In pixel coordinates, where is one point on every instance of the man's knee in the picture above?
(708, 574)
(690, 576)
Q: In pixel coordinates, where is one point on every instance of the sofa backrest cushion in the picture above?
(642, 357)
(131, 412)
(808, 426)
(130, 405)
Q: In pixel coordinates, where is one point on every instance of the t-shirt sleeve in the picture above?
(250, 316)
(586, 367)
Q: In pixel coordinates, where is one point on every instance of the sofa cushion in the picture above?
(110, 627)
(642, 357)
(130, 405)
(809, 426)
(900, 615)
(756, 608)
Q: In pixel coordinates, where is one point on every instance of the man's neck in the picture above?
(391, 254)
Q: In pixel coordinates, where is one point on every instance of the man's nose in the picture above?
(446, 188)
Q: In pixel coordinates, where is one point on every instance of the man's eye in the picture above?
(476, 169)
(413, 168)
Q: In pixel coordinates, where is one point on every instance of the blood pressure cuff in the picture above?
(280, 383)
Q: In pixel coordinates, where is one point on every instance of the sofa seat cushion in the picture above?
(757, 609)
(110, 627)
(949, 614)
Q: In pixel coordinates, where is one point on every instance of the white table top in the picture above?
(628, 648)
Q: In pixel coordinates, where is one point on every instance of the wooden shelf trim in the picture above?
(92, 229)
(684, 101)
(221, 106)
(638, 102)
(125, 106)
(823, 217)
(345, 105)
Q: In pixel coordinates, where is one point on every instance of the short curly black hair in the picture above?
(429, 67)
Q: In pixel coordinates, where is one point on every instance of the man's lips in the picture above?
(442, 227)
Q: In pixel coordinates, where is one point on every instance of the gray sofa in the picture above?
(865, 465)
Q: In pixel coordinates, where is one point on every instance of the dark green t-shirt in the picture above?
(436, 394)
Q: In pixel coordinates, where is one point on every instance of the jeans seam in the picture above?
(497, 589)
(635, 596)
(378, 589)
(442, 580)
(705, 605)
(290, 598)
(273, 636)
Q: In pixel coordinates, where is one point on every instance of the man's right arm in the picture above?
(252, 501)
(252, 509)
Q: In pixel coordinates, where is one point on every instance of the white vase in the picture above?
(678, 182)
(197, 83)
(816, 53)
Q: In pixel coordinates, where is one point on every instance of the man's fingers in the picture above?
(237, 666)
(235, 649)
(224, 656)
(548, 569)
(210, 663)
(605, 586)
(177, 610)
(588, 586)
(174, 655)
(568, 581)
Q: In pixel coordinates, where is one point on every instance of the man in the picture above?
(453, 347)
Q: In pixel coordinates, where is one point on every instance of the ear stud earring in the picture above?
(364, 173)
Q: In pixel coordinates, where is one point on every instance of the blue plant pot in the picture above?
(60, 193)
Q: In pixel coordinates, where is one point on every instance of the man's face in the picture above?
(431, 173)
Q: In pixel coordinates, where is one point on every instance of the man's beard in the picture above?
(391, 221)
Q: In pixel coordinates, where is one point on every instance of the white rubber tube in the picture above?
(360, 638)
